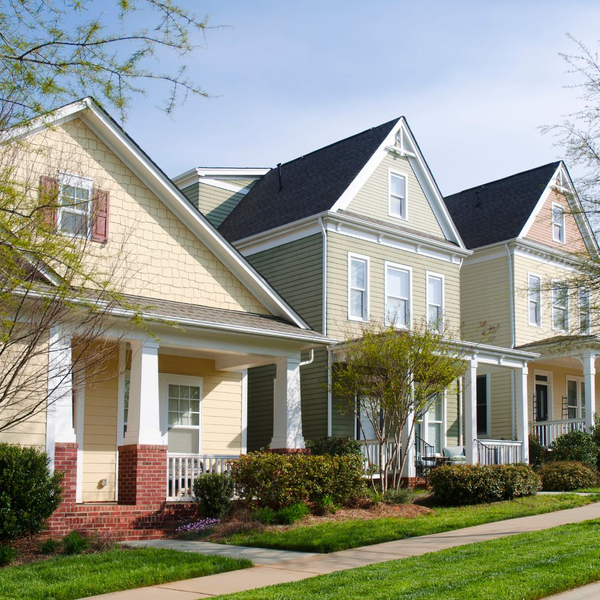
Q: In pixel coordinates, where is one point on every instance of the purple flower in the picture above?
(200, 525)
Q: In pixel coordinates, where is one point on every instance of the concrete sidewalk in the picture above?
(303, 568)
(586, 592)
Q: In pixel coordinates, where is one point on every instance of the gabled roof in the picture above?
(498, 210)
(310, 185)
(113, 135)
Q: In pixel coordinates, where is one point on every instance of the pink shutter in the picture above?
(100, 211)
(49, 200)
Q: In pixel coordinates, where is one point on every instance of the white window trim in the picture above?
(429, 274)
(580, 404)
(425, 426)
(164, 380)
(405, 176)
(409, 320)
(556, 282)
(529, 322)
(80, 182)
(589, 311)
(550, 384)
(564, 223)
(367, 259)
(488, 411)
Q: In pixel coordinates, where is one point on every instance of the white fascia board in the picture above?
(173, 198)
(194, 175)
(539, 204)
(422, 172)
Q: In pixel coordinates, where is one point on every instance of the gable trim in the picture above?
(420, 168)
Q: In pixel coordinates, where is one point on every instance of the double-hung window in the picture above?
(583, 297)
(397, 191)
(558, 223)
(358, 288)
(560, 306)
(397, 295)
(74, 205)
(535, 300)
(435, 301)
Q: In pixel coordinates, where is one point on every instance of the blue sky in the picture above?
(475, 80)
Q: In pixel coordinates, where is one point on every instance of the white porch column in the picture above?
(522, 410)
(410, 469)
(287, 410)
(143, 418)
(470, 396)
(589, 374)
(59, 421)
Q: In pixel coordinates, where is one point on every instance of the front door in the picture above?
(541, 401)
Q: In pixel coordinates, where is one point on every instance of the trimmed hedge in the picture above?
(334, 446)
(279, 480)
(213, 493)
(567, 475)
(476, 484)
(576, 446)
(29, 494)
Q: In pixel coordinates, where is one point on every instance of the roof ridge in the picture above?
(556, 162)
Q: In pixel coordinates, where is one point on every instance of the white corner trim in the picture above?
(244, 448)
(79, 384)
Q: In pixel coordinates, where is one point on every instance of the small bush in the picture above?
(326, 506)
(49, 546)
(75, 543)
(290, 514)
(334, 446)
(279, 480)
(7, 555)
(476, 484)
(576, 446)
(375, 496)
(29, 494)
(402, 495)
(565, 476)
(266, 515)
(213, 493)
(537, 453)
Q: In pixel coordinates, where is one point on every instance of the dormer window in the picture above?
(397, 195)
(558, 223)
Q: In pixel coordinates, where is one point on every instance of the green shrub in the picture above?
(288, 515)
(266, 515)
(326, 506)
(476, 484)
(402, 495)
(565, 476)
(213, 493)
(596, 437)
(49, 546)
(75, 543)
(334, 446)
(29, 494)
(375, 496)
(279, 480)
(7, 555)
(575, 446)
(537, 453)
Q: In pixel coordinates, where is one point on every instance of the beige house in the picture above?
(170, 400)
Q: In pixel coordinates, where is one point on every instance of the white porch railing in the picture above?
(548, 431)
(370, 450)
(499, 452)
(182, 470)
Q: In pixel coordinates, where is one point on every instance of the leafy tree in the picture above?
(391, 378)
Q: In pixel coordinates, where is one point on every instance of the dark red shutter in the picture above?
(100, 216)
(49, 200)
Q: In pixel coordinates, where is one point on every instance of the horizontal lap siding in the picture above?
(500, 405)
(260, 406)
(485, 297)
(372, 199)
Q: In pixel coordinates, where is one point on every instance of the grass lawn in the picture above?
(595, 490)
(529, 566)
(70, 577)
(334, 536)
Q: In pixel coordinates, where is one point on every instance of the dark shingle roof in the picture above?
(498, 210)
(310, 184)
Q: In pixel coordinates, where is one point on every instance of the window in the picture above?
(397, 190)
(535, 301)
(184, 405)
(397, 297)
(482, 405)
(358, 289)
(575, 398)
(560, 306)
(584, 311)
(435, 421)
(181, 403)
(558, 223)
(74, 205)
(435, 301)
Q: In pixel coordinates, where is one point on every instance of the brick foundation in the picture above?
(141, 511)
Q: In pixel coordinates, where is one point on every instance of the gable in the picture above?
(541, 228)
(372, 200)
(150, 251)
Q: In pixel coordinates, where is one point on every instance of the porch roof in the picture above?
(563, 345)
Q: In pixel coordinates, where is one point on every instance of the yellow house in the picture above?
(170, 399)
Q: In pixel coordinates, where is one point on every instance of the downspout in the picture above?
(310, 360)
(324, 328)
(511, 299)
